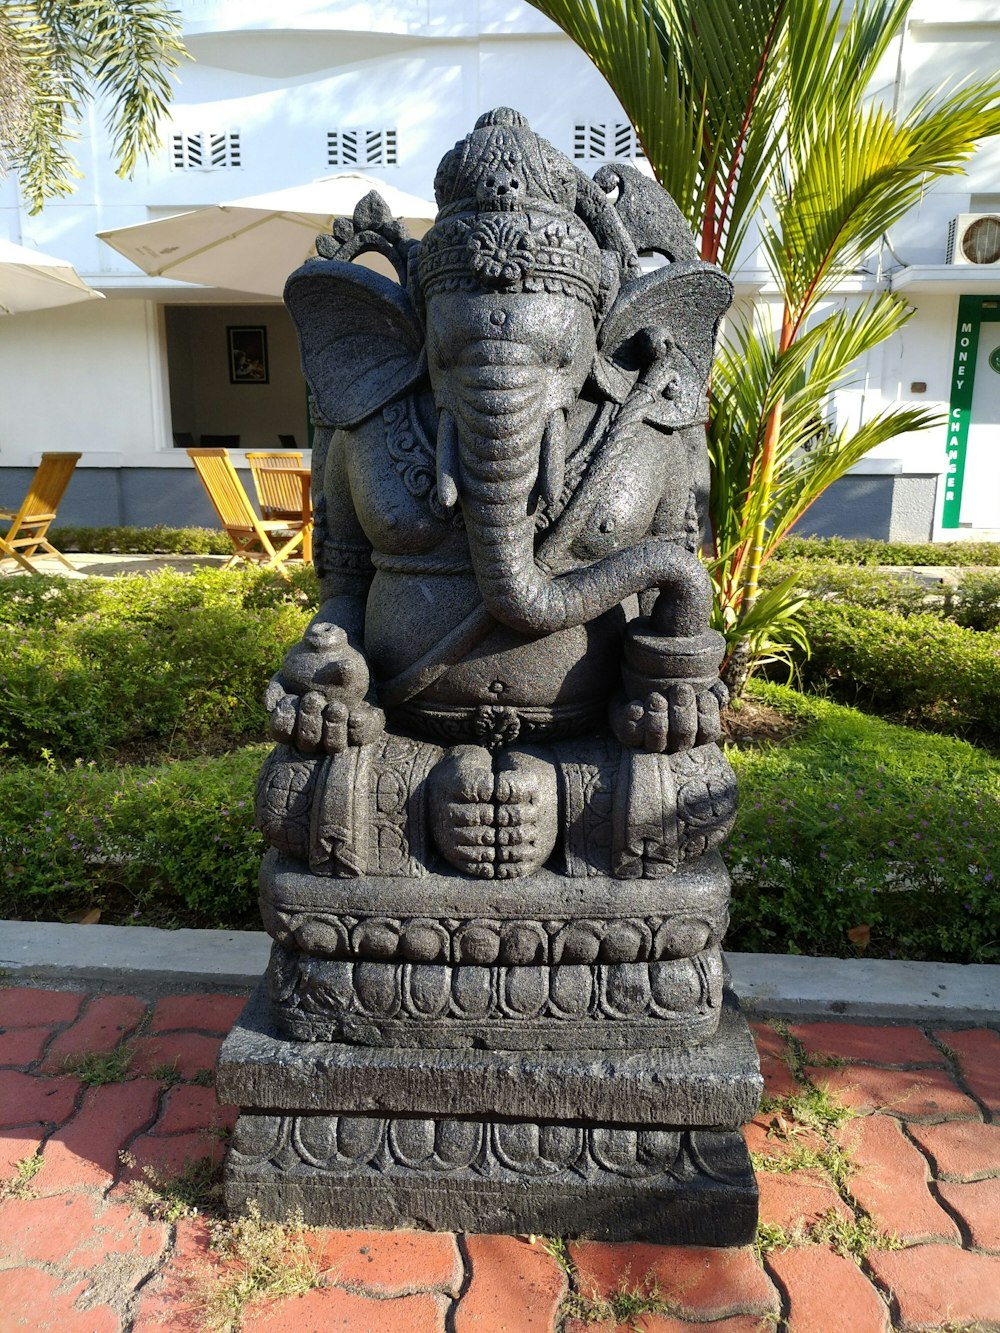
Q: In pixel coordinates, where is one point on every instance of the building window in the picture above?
(361, 148)
(206, 151)
(606, 140)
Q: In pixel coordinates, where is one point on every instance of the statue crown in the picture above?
(506, 198)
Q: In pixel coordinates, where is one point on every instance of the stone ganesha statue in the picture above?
(506, 459)
(497, 797)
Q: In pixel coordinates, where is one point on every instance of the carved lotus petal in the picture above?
(525, 990)
(572, 989)
(579, 942)
(658, 1148)
(560, 1144)
(412, 1141)
(614, 1149)
(681, 937)
(332, 984)
(358, 1137)
(721, 1156)
(375, 939)
(675, 986)
(523, 943)
(625, 942)
(315, 1138)
(428, 989)
(321, 935)
(377, 988)
(626, 989)
(286, 1158)
(457, 1141)
(425, 942)
(472, 991)
(257, 1135)
(517, 1144)
(479, 942)
(283, 975)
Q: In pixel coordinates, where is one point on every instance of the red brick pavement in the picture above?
(878, 1157)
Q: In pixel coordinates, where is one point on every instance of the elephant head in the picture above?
(512, 308)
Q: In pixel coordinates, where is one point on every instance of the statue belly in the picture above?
(576, 665)
(409, 615)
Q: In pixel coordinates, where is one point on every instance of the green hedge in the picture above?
(172, 660)
(852, 822)
(918, 668)
(856, 822)
(840, 550)
(860, 585)
(868, 551)
(142, 541)
(166, 845)
(974, 602)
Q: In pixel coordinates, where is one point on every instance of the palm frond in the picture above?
(817, 469)
(700, 84)
(124, 51)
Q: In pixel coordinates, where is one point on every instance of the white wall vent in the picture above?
(361, 148)
(606, 140)
(974, 238)
(204, 150)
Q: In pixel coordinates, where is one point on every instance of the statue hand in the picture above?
(311, 723)
(678, 719)
(316, 701)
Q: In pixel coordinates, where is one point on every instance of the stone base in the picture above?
(664, 1186)
(616, 1145)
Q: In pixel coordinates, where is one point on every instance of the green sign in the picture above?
(973, 311)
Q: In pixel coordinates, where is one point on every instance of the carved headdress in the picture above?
(506, 198)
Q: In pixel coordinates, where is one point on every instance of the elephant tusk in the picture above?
(447, 461)
(552, 466)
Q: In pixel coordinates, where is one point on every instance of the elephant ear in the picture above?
(361, 339)
(686, 301)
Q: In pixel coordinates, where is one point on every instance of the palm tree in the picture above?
(56, 57)
(761, 110)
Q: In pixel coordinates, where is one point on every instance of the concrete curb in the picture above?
(139, 958)
(123, 958)
(872, 989)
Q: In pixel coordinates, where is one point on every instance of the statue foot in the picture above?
(494, 818)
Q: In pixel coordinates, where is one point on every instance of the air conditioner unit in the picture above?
(974, 238)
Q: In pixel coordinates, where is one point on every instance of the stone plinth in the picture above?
(633, 1145)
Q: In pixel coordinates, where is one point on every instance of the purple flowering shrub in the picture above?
(167, 845)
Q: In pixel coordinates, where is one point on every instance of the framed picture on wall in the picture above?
(247, 353)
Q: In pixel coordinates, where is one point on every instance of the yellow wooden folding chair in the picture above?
(245, 530)
(279, 489)
(282, 486)
(26, 536)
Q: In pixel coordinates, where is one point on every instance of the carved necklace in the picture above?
(413, 456)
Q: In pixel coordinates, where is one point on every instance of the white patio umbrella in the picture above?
(30, 280)
(253, 244)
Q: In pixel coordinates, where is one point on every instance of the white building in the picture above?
(280, 95)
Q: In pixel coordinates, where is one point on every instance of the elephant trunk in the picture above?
(500, 474)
